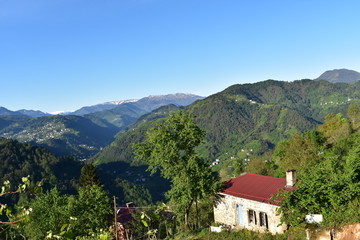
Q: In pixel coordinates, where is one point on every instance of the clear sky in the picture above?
(65, 54)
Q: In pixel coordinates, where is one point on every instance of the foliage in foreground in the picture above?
(243, 234)
(170, 149)
(68, 216)
(329, 173)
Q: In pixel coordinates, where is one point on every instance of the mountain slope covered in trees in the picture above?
(63, 135)
(252, 116)
(20, 160)
(121, 148)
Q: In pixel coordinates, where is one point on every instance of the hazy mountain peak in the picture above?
(5, 111)
(182, 99)
(173, 95)
(120, 102)
(340, 75)
(33, 113)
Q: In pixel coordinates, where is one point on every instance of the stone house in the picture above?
(246, 202)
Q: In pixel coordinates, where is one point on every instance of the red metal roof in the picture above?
(255, 187)
(124, 215)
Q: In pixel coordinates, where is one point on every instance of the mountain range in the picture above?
(147, 104)
(246, 120)
(81, 135)
(254, 115)
(241, 122)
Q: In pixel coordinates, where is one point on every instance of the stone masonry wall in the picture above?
(226, 212)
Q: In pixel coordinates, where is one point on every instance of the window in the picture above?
(263, 219)
(252, 216)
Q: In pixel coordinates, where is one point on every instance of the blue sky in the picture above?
(65, 54)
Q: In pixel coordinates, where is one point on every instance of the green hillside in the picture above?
(120, 116)
(19, 160)
(121, 148)
(63, 135)
(7, 120)
(250, 116)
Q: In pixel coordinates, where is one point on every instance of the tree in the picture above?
(170, 148)
(68, 216)
(300, 151)
(89, 176)
(10, 220)
(353, 113)
(330, 187)
(335, 128)
(50, 211)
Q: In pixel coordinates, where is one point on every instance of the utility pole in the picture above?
(115, 220)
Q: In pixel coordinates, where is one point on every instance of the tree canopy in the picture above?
(329, 174)
(170, 148)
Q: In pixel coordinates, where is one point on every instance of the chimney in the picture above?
(130, 205)
(290, 178)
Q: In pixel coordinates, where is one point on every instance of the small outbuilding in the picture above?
(247, 202)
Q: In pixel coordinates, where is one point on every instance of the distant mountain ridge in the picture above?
(340, 76)
(99, 107)
(7, 112)
(33, 113)
(82, 136)
(147, 104)
(127, 112)
(23, 112)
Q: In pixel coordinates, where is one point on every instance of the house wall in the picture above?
(226, 212)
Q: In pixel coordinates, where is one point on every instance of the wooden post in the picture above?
(115, 220)
(308, 234)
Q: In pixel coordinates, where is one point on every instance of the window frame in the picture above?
(263, 220)
(252, 217)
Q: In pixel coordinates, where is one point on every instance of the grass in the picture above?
(205, 234)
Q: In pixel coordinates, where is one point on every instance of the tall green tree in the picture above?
(335, 128)
(170, 148)
(89, 176)
(353, 113)
(330, 187)
(300, 151)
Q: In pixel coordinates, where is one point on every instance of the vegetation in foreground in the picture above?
(244, 234)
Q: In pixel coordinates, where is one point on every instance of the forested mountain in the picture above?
(6, 120)
(256, 116)
(20, 160)
(129, 111)
(251, 116)
(121, 148)
(63, 135)
(155, 101)
(120, 116)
